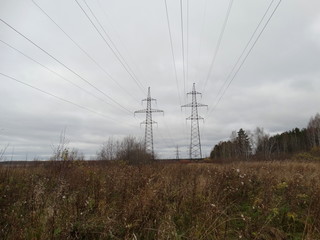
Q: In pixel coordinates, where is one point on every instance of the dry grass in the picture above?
(259, 201)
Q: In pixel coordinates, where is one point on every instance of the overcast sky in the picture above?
(102, 79)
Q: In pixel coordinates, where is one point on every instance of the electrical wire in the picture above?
(187, 43)
(113, 44)
(139, 84)
(204, 13)
(183, 52)
(123, 43)
(57, 97)
(174, 63)
(84, 51)
(245, 48)
(54, 72)
(75, 73)
(245, 58)
(171, 45)
(182, 45)
(172, 52)
(218, 44)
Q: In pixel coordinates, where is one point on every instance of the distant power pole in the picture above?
(195, 143)
(148, 138)
(177, 152)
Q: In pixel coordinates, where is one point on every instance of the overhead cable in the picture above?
(54, 72)
(182, 45)
(218, 44)
(203, 20)
(114, 45)
(187, 43)
(246, 56)
(57, 97)
(245, 48)
(172, 52)
(139, 84)
(84, 51)
(54, 58)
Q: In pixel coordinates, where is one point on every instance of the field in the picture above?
(84, 200)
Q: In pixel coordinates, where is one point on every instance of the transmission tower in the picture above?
(195, 143)
(148, 138)
(177, 153)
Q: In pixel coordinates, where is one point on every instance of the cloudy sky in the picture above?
(85, 66)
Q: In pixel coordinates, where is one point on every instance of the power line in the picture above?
(187, 52)
(245, 58)
(54, 72)
(139, 84)
(84, 51)
(82, 78)
(57, 97)
(123, 43)
(182, 45)
(173, 55)
(245, 48)
(204, 13)
(218, 44)
(112, 43)
(172, 52)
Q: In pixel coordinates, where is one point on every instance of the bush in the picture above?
(129, 150)
(313, 155)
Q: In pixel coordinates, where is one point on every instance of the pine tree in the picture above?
(243, 144)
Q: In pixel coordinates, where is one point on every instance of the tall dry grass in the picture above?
(83, 200)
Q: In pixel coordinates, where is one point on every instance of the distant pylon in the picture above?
(148, 138)
(177, 152)
(195, 143)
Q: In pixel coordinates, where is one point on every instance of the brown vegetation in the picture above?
(99, 200)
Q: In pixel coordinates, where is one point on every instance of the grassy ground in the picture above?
(79, 200)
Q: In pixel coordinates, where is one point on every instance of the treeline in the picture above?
(244, 145)
(129, 150)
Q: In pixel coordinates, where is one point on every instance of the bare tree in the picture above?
(263, 143)
(108, 150)
(314, 131)
(62, 151)
(129, 150)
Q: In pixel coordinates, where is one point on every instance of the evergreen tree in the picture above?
(243, 144)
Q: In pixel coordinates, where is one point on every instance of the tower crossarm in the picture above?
(140, 111)
(151, 122)
(194, 105)
(149, 99)
(194, 92)
(157, 111)
(202, 105)
(195, 118)
(146, 110)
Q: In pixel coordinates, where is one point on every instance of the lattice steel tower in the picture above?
(195, 143)
(148, 138)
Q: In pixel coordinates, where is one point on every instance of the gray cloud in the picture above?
(277, 87)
